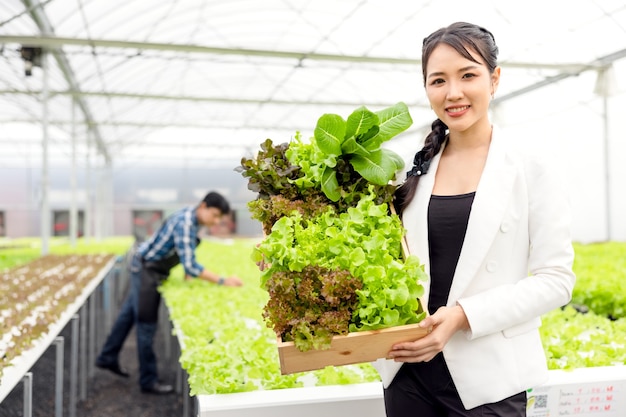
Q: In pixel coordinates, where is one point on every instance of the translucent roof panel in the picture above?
(209, 80)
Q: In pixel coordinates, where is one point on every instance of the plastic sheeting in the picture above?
(209, 80)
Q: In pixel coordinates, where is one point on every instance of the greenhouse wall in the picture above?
(580, 157)
(135, 189)
(557, 123)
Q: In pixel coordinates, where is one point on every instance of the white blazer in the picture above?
(514, 266)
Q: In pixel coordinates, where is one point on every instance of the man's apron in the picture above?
(152, 274)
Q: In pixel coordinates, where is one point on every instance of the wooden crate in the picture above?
(358, 347)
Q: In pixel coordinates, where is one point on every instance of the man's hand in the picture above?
(233, 282)
(213, 278)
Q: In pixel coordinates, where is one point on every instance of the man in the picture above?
(175, 242)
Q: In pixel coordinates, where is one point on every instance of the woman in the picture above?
(491, 224)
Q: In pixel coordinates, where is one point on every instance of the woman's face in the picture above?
(459, 90)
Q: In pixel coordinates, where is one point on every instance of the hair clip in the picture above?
(420, 165)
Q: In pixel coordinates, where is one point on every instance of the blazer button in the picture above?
(505, 227)
(492, 266)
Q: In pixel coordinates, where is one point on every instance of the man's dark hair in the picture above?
(213, 199)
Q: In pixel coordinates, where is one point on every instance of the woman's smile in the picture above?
(457, 110)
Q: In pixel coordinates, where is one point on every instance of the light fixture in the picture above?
(606, 82)
(32, 58)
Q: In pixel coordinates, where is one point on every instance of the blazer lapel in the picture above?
(490, 203)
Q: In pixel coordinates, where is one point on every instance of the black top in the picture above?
(447, 222)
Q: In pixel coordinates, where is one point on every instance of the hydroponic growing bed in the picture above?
(38, 298)
(34, 302)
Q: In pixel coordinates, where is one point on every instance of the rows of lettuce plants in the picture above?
(575, 340)
(34, 294)
(227, 346)
(600, 284)
(597, 337)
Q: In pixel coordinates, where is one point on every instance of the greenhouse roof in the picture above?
(209, 80)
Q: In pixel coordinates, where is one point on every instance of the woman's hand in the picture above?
(261, 264)
(445, 323)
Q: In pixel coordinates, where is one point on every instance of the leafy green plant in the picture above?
(273, 177)
(601, 278)
(355, 142)
(575, 340)
(335, 167)
(365, 243)
(324, 206)
(271, 173)
(311, 305)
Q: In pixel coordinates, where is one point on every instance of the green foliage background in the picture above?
(597, 338)
(601, 271)
(227, 347)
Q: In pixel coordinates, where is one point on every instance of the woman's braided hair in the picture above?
(463, 37)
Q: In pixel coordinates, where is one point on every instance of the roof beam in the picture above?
(149, 124)
(42, 22)
(238, 100)
(57, 42)
(598, 64)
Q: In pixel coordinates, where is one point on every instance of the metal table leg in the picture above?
(28, 394)
(73, 365)
(92, 335)
(83, 353)
(59, 342)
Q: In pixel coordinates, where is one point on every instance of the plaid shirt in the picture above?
(177, 235)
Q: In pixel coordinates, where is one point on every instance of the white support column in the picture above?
(88, 189)
(108, 196)
(607, 167)
(45, 185)
(605, 87)
(99, 203)
(73, 187)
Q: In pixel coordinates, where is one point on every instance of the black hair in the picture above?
(463, 37)
(213, 199)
